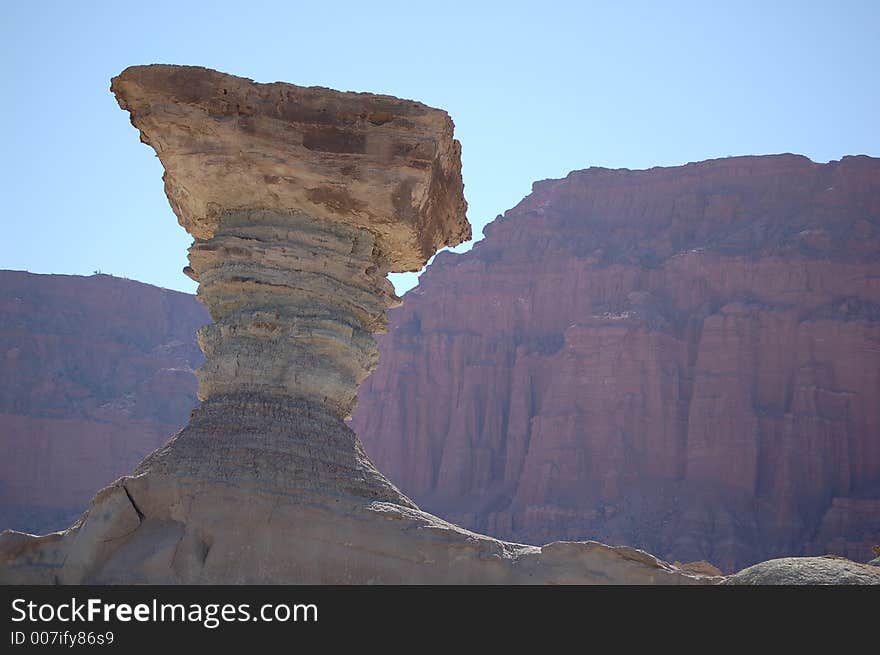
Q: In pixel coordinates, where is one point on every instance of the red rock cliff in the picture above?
(95, 372)
(681, 359)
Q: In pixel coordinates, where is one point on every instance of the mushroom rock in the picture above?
(300, 201)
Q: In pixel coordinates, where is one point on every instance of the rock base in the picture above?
(287, 497)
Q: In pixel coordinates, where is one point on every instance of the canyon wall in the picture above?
(685, 360)
(96, 373)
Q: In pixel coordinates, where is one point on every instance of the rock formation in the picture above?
(686, 360)
(95, 372)
(300, 201)
(807, 571)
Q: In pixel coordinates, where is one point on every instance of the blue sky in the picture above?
(535, 89)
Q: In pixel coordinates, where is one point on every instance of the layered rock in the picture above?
(95, 372)
(300, 201)
(684, 359)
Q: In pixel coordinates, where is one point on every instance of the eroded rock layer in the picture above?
(684, 359)
(300, 200)
(295, 301)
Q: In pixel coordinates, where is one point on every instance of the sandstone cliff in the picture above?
(685, 360)
(95, 372)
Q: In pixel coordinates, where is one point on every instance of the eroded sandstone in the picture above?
(300, 201)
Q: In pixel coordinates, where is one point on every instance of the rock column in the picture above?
(295, 301)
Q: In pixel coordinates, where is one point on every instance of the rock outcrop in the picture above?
(300, 201)
(95, 372)
(686, 360)
(807, 571)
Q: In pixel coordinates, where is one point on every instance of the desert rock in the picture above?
(807, 571)
(300, 201)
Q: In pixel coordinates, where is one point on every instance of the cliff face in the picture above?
(685, 360)
(96, 373)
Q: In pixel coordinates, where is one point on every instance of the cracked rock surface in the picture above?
(300, 201)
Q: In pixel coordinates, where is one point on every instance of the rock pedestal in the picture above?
(295, 302)
(300, 201)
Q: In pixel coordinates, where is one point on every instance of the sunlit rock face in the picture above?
(682, 359)
(300, 201)
(372, 161)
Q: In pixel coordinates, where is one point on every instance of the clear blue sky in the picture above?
(536, 89)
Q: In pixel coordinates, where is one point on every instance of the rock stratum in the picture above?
(685, 360)
(300, 201)
(95, 373)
